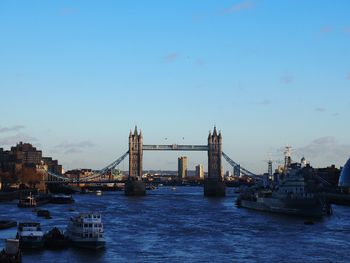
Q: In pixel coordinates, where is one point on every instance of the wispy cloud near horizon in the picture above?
(320, 109)
(14, 128)
(264, 102)
(73, 147)
(20, 137)
(325, 148)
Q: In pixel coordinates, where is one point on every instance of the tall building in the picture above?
(26, 153)
(200, 171)
(182, 167)
(53, 166)
(237, 171)
(269, 168)
(25, 164)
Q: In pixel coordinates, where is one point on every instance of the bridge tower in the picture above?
(214, 185)
(134, 185)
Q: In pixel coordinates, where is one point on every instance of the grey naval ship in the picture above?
(289, 196)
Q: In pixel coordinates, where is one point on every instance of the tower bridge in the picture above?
(214, 184)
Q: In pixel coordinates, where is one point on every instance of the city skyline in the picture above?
(76, 76)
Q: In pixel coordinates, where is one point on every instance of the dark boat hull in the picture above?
(7, 224)
(31, 244)
(89, 244)
(315, 210)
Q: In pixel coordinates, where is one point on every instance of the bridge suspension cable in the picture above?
(112, 165)
(57, 177)
(96, 173)
(234, 164)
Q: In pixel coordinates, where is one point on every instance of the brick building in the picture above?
(25, 164)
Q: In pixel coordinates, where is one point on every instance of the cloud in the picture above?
(264, 102)
(325, 30)
(15, 128)
(335, 114)
(171, 57)
(68, 11)
(287, 79)
(200, 62)
(326, 149)
(348, 76)
(73, 147)
(320, 109)
(243, 5)
(198, 18)
(12, 140)
(73, 150)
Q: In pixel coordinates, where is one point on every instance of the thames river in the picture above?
(180, 225)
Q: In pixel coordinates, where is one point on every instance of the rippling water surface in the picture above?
(183, 226)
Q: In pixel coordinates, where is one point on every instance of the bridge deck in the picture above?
(175, 147)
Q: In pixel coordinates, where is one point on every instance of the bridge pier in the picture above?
(214, 188)
(134, 188)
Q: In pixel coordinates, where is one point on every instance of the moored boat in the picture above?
(61, 199)
(86, 231)
(8, 195)
(7, 224)
(30, 235)
(43, 213)
(28, 201)
(33, 200)
(55, 239)
(11, 253)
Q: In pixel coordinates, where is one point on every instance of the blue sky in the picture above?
(76, 76)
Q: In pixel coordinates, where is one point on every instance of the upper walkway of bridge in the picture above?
(175, 147)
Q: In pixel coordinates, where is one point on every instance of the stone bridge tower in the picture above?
(214, 185)
(134, 184)
(135, 155)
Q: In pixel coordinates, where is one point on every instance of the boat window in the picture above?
(85, 225)
(90, 225)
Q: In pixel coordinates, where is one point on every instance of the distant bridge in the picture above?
(135, 152)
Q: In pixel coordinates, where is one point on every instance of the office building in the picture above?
(200, 172)
(182, 167)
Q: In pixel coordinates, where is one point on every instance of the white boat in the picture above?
(98, 192)
(30, 235)
(28, 201)
(86, 230)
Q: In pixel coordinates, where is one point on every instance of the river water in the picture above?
(181, 225)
